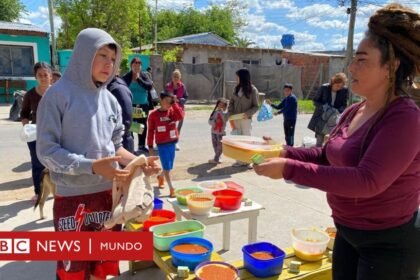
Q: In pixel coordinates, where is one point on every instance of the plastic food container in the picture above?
(159, 217)
(228, 199)
(181, 194)
(234, 186)
(200, 203)
(211, 186)
(263, 259)
(309, 244)
(165, 234)
(331, 231)
(243, 148)
(187, 257)
(157, 204)
(216, 271)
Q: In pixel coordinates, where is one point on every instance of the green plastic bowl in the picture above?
(182, 198)
(191, 228)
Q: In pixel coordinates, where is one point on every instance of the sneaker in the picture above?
(177, 147)
(250, 166)
(239, 164)
(212, 161)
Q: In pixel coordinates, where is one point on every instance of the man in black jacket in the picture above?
(122, 93)
(334, 95)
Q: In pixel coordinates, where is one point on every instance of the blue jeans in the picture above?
(37, 167)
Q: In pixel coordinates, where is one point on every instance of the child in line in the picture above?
(79, 139)
(288, 107)
(217, 120)
(162, 129)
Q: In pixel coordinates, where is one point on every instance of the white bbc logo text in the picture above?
(15, 246)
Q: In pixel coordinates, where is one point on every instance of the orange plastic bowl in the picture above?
(159, 217)
(228, 199)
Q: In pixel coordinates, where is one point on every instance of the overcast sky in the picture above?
(316, 25)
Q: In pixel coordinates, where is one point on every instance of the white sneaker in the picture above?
(177, 147)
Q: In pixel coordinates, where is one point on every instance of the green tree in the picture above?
(11, 9)
(125, 20)
(243, 42)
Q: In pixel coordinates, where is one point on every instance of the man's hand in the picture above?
(272, 168)
(104, 168)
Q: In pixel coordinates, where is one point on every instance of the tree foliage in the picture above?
(11, 9)
(131, 22)
(123, 19)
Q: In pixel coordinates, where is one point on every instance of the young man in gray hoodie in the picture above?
(79, 131)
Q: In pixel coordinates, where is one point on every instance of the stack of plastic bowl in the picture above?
(309, 244)
(190, 255)
(165, 234)
(263, 259)
(211, 186)
(216, 271)
(159, 217)
(243, 148)
(200, 203)
(181, 194)
(228, 199)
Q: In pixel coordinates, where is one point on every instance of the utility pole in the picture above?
(53, 43)
(156, 13)
(349, 52)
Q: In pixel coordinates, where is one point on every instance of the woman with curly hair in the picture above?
(370, 166)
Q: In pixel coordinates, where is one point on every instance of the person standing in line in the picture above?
(288, 107)
(332, 95)
(177, 87)
(217, 120)
(79, 136)
(43, 76)
(122, 93)
(243, 101)
(140, 86)
(56, 75)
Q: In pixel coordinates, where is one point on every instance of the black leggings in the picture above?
(390, 254)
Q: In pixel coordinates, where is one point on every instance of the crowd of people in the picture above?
(84, 134)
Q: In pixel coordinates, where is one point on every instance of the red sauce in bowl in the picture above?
(190, 249)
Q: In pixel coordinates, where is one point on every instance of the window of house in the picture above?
(16, 60)
(251, 61)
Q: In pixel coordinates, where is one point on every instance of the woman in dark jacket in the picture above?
(140, 86)
(43, 75)
(334, 95)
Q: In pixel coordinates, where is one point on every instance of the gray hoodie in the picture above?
(79, 122)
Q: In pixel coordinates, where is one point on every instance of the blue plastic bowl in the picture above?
(158, 204)
(190, 260)
(263, 268)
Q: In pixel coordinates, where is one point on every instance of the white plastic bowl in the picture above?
(309, 244)
(200, 207)
(212, 186)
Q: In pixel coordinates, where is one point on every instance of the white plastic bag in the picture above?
(28, 133)
(265, 113)
(154, 94)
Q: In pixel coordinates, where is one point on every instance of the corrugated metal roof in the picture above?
(207, 38)
(20, 27)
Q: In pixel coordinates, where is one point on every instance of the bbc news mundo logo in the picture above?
(15, 246)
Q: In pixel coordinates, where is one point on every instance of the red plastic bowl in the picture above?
(228, 199)
(159, 217)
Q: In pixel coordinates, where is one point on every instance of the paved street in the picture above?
(286, 205)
